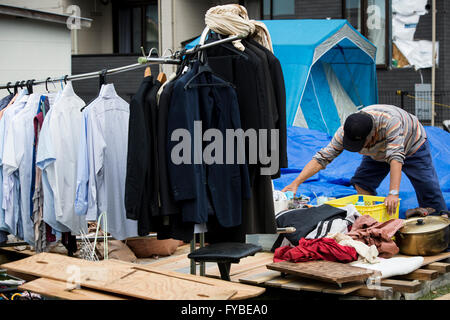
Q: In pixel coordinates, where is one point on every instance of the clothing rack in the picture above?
(175, 58)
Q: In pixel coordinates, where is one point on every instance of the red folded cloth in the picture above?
(316, 249)
(369, 231)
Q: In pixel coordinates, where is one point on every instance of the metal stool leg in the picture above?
(224, 268)
(202, 244)
(193, 264)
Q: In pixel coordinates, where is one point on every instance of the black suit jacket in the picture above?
(138, 156)
(277, 77)
(192, 184)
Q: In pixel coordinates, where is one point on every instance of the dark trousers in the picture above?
(417, 167)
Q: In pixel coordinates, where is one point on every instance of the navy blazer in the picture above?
(205, 189)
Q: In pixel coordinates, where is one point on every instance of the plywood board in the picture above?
(328, 271)
(116, 278)
(148, 285)
(58, 289)
(243, 291)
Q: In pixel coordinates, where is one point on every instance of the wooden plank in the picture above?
(257, 270)
(279, 282)
(149, 285)
(259, 278)
(248, 263)
(444, 297)
(23, 276)
(439, 267)
(420, 274)
(243, 291)
(379, 292)
(402, 285)
(429, 259)
(302, 284)
(116, 278)
(435, 258)
(298, 284)
(346, 288)
(168, 262)
(328, 271)
(23, 252)
(58, 289)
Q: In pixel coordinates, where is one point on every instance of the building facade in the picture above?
(120, 28)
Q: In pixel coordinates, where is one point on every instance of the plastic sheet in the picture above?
(334, 181)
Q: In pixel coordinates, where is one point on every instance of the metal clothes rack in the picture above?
(175, 58)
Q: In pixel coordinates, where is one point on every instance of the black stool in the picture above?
(224, 254)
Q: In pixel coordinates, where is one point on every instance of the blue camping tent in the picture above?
(329, 70)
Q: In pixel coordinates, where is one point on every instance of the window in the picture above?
(278, 9)
(135, 25)
(369, 18)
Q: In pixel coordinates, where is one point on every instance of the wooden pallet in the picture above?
(431, 269)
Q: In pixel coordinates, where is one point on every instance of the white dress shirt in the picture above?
(102, 162)
(58, 155)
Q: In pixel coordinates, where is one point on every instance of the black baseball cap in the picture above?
(357, 127)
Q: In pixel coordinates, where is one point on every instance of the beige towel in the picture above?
(366, 253)
(233, 20)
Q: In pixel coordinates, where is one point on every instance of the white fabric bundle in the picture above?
(393, 266)
(233, 20)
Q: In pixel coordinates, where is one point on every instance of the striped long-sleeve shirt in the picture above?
(396, 134)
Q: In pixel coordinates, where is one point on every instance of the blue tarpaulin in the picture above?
(334, 181)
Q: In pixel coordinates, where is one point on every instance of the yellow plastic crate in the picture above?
(376, 211)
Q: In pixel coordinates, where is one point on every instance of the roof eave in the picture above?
(41, 15)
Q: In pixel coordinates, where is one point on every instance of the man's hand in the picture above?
(308, 171)
(292, 187)
(391, 203)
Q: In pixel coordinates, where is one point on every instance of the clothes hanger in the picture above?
(162, 78)
(148, 70)
(46, 84)
(230, 47)
(16, 85)
(29, 86)
(102, 78)
(7, 87)
(205, 68)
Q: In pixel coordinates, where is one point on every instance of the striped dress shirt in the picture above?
(395, 135)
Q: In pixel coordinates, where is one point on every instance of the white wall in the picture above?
(98, 39)
(32, 49)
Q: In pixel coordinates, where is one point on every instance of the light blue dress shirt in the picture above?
(58, 151)
(102, 162)
(43, 159)
(17, 160)
(10, 210)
